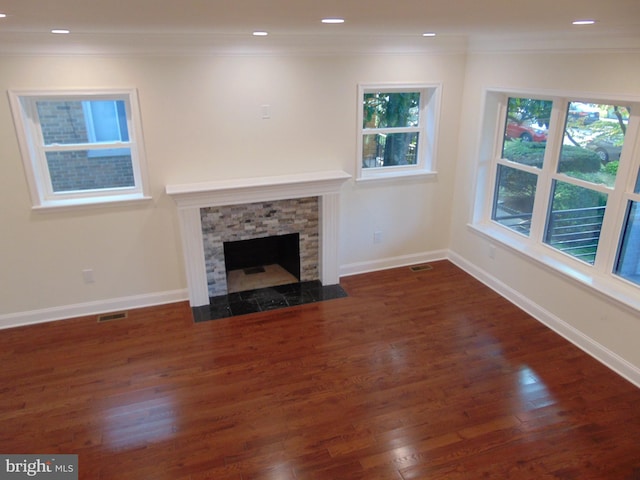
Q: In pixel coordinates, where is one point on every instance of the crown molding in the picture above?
(197, 44)
(203, 44)
(582, 42)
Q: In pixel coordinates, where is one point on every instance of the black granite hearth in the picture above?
(263, 299)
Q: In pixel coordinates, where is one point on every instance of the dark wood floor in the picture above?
(426, 375)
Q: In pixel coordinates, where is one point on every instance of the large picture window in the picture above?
(80, 148)
(565, 183)
(397, 130)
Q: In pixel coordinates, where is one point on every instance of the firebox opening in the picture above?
(262, 262)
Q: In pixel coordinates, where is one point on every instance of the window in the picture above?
(397, 130)
(80, 148)
(563, 184)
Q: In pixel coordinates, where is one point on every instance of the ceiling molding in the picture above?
(79, 44)
(555, 43)
(224, 44)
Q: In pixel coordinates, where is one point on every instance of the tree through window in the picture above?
(397, 125)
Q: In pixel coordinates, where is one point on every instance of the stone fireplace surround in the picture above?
(249, 221)
(191, 198)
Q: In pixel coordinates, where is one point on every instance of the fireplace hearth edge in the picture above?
(266, 299)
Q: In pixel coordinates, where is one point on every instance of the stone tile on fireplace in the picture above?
(264, 299)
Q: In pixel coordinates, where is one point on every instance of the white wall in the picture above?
(202, 121)
(597, 324)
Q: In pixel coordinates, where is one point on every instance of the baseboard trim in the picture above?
(605, 356)
(91, 308)
(391, 262)
(572, 334)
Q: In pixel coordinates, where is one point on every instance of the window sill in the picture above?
(607, 286)
(390, 176)
(81, 203)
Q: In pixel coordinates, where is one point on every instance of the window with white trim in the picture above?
(80, 147)
(397, 130)
(562, 183)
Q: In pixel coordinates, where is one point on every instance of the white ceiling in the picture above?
(291, 19)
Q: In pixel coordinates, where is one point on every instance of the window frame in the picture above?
(430, 94)
(33, 150)
(601, 275)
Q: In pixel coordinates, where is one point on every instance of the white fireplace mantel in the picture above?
(190, 198)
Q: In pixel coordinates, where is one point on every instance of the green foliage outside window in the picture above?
(384, 112)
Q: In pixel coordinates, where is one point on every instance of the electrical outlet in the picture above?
(377, 236)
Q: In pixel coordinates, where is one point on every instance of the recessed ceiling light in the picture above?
(60, 30)
(3, 15)
(333, 20)
(429, 34)
(584, 22)
(260, 33)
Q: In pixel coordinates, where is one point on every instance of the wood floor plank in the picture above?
(414, 375)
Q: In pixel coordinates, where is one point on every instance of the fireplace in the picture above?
(262, 262)
(254, 223)
(318, 255)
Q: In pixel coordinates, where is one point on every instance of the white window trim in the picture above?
(599, 277)
(36, 170)
(428, 128)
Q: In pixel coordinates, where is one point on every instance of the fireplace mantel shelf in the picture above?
(192, 197)
(247, 190)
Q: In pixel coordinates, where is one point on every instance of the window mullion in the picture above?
(386, 131)
(549, 165)
(70, 147)
(492, 180)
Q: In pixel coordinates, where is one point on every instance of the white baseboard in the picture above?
(392, 262)
(91, 308)
(572, 334)
(605, 356)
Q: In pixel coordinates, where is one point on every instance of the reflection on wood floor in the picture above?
(414, 375)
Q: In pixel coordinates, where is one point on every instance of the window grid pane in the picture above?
(78, 170)
(525, 135)
(513, 201)
(66, 122)
(391, 149)
(391, 110)
(592, 142)
(575, 219)
(628, 261)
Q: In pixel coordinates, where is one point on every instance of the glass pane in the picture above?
(575, 220)
(108, 121)
(637, 188)
(628, 263)
(526, 129)
(393, 149)
(391, 110)
(593, 140)
(90, 170)
(513, 201)
(77, 122)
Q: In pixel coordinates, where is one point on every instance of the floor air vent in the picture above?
(421, 268)
(107, 317)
